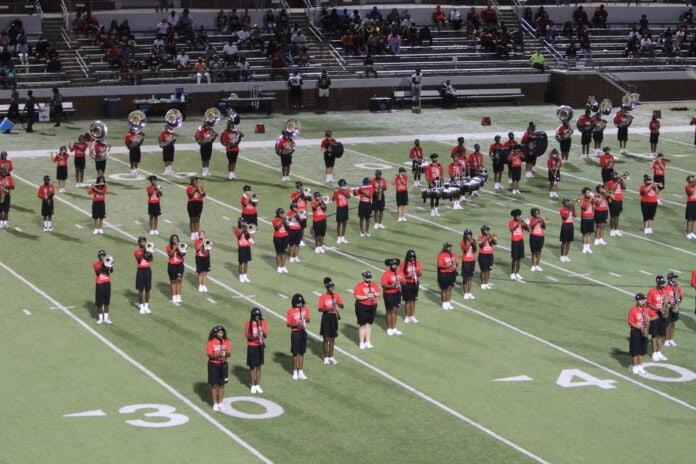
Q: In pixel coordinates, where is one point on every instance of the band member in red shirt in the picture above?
(244, 241)
(457, 170)
(475, 163)
(284, 148)
(411, 272)
(418, 162)
(554, 165)
(567, 235)
(588, 202)
(203, 248)
(446, 274)
(194, 207)
(400, 183)
(517, 228)
(391, 291)
(639, 316)
(102, 292)
(218, 350)
(256, 332)
(167, 141)
(280, 239)
(5, 163)
(601, 213)
(46, 193)
(528, 144)
(295, 217)
(366, 293)
(365, 193)
(648, 203)
(99, 151)
(498, 161)
(584, 125)
(469, 249)
(249, 201)
(486, 242)
(301, 197)
(379, 186)
(143, 277)
(598, 126)
(658, 327)
(615, 188)
(154, 209)
(329, 158)
(297, 319)
(607, 161)
(230, 139)
(98, 193)
(622, 119)
(674, 294)
(459, 150)
(564, 137)
(6, 187)
(537, 228)
(516, 159)
(658, 167)
(654, 128)
(205, 136)
(330, 305)
(134, 139)
(434, 173)
(341, 198)
(79, 149)
(61, 161)
(175, 267)
(690, 213)
(318, 222)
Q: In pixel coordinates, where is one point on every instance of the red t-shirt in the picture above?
(434, 171)
(517, 229)
(690, 190)
(254, 338)
(468, 251)
(98, 193)
(365, 193)
(248, 206)
(294, 315)
(607, 161)
(61, 159)
(416, 153)
(153, 194)
(230, 139)
(587, 208)
(242, 237)
(176, 257)
(475, 160)
(279, 229)
(80, 149)
(46, 191)
(400, 182)
(142, 262)
(648, 193)
(102, 277)
(487, 244)
(326, 303)
(658, 167)
(363, 289)
(318, 211)
(389, 279)
(411, 271)
(215, 347)
(195, 192)
(536, 226)
(567, 215)
(617, 187)
(446, 262)
(341, 197)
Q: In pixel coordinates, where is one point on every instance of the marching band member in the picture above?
(202, 261)
(366, 294)
(297, 318)
(516, 158)
(615, 188)
(598, 126)
(61, 161)
(622, 119)
(601, 213)
(167, 141)
(102, 290)
(554, 165)
(175, 267)
(486, 243)
(295, 230)
(100, 151)
(417, 162)
(537, 232)
(285, 147)
(400, 183)
(457, 170)
(509, 144)
(564, 137)
(638, 316)
(300, 197)
(459, 150)
(675, 295)
(205, 136)
(391, 291)
(218, 350)
(690, 214)
(498, 161)
(527, 143)
(411, 272)
(517, 227)
(469, 248)
(648, 203)
(194, 206)
(154, 209)
(6, 187)
(256, 332)
(434, 173)
(98, 192)
(280, 239)
(330, 304)
(654, 129)
(46, 192)
(5, 163)
(607, 161)
(659, 165)
(230, 139)
(658, 327)
(588, 202)
(379, 185)
(249, 202)
(244, 242)
(329, 158)
(475, 163)
(446, 274)
(318, 222)
(584, 125)
(341, 198)
(143, 276)
(79, 149)
(364, 193)
(133, 140)
(567, 213)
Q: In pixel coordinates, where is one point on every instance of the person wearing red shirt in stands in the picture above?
(607, 161)
(658, 168)
(674, 294)
(244, 241)
(537, 227)
(329, 158)
(301, 198)
(330, 305)
(98, 193)
(486, 242)
(175, 267)
(554, 165)
(648, 203)
(615, 188)
(434, 173)
(365, 193)
(654, 129)
(379, 186)
(498, 161)
(280, 239)
(517, 227)
(400, 183)
(473, 17)
(154, 209)
(102, 292)
(657, 297)
(567, 235)
(230, 139)
(194, 207)
(489, 16)
(256, 332)
(341, 198)
(446, 274)
(202, 248)
(318, 222)
(133, 140)
(469, 248)
(366, 293)
(143, 277)
(638, 317)
(296, 319)
(516, 159)
(417, 162)
(588, 202)
(79, 149)
(61, 160)
(690, 213)
(218, 350)
(46, 193)
(5, 163)
(411, 272)
(391, 291)
(601, 213)
(6, 187)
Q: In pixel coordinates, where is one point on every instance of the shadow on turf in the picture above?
(623, 357)
(203, 391)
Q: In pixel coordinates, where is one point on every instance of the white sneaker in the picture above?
(368, 346)
(95, 232)
(513, 276)
(471, 296)
(612, 233)
(285, 269)
(301, 375)
(444, 306)
(332, 360)
(618, 233)
(302, 243)
(241, 278)
(279, 270)
(641, 370)
(432, 212)
(484, 287)
(673, 343)
(539, 269)
(596, 241)
(216, 407)
(390, 332)
(407, 320)
(662, 356)
(518, 277)
(326, 360)
(466, 296)
(231, 176)
(294, 375)
(362, 345)
(646, 231)
(656, 356)
(414, 320)
(376, 226)
(602, 242)
(317, 250)
(141, 309)
(107, 321)
(396, 331)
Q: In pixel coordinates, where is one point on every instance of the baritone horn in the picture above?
(302, 214)
(150, 247)
(293, 127)
(109, 261)
(307, 191)
(326, 199)
(208, 244)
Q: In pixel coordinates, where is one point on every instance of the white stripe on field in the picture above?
(27, 312)
(615, 274)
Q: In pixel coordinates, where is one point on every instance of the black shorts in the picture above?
(298, 342)
(5, 205)
(585, 137)
(365, 314)
(516, 173)
(217, 373)
(342, 214)
(648, 210)
(446, 280)
(554, 177)
(536, 243)
(378, 205)
(402, 198)
(607, 174)
(154, 209)
(244, 254)
(329, 161)
(255, 355)
(175, 271)
(194, 209)
(294, 237)
(102, 294)
(517, 249)
(391, 300)
(468, 269)
(659, 179)
(598, 137)
(202, 264)
(47, 208)
(567, 233)
(143, 279)
(565, 145)
(80, 162)
(409, 291)
(364, 210)
(134, 154)
(319, 228)
(285, 160)
(61, 172)
(329, 325)
(98, 210)
(673, 317)
(637, 343)
(206, 151)
(280, 244)
(498, 167)
(622, 134)
(251, 218)
(587, 226)
(600, 217)
(100, 165)
(168, 153)
(654, 138)
(232, 156)
(690, 213)
(658, 327)
(485, 262)
(615, 208)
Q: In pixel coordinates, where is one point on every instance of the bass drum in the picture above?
(541, 143)
(472, 185)
(336, 149)
(430, 193)
(451, 193)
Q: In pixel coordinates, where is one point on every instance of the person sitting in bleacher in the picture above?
(489, 16)
(517, 38)
(580, 16)
(124, 32)
(158, 43)
(394, 41)
(162, 28)
(183, 62)
(185, 25)
(243, 38)
(407, 22)
(102, 38)
(15, 29)
(303, 58)
(279, 68)
(230, 49)
(53, 63)
(154, 61)
(425, 35)
(23, 52)
(9, 76)
(126, 53)
(599, 19)
(542, 24)
(455, 18)
(245, 18)
(448, 94)
(474, 18)
(439, 18)
(234, 21)
(171, 42)
(202, 36)
(78, 24)
(631, 48)
(486, 40)
(201, 68)
(647, 46)
(269, 22)
(135, 72)
(283, 19)
(643, 24)
(91, 23)
(374, 14)
(298, 41)
(502, 51)
(411, 36)
(221, 20)
(172, 19)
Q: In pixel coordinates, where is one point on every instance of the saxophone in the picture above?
(666, 308)
(645, 329)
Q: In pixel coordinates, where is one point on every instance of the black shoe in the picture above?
(56, 125)
(30, 130)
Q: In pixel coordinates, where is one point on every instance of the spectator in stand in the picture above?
(91, 23)
(201, 69)
(41, 48)
(77, 24)
(474, 18)
(455, 19)
(221, 21)
(643, 26)
(23, 52)
(234, 22)
(269, 22)
(647, 46)
(489, 16)
(580, 16)
(245, 18)
(439, 18)
(571, 52)
(599, 19)
(517, 38)
(230, 50)
(537, 60)
(172, 19)
(162, 27)
(202, 36)
(124, 32)
(53, 63)
(135, 72)
(298, 41)
(585, 47)
(631, 49)
(185, 24)
(425, 35)
(154, 62)
(183, 62)
(394, 41)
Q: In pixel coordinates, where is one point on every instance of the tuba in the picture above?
(136, 121)
(629, 101)
(206, 134)
(97, 132)
(592, 104)
(564, 113)
(605, 107)
(293, 127)
(173, 118)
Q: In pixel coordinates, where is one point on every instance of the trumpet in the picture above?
(251, 228)
(546, 220)
(578, 201)
(183, 248)
(626, 175)
(207, 244)
(150, 247)
(109, 261)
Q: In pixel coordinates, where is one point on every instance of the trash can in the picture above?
(112, 107)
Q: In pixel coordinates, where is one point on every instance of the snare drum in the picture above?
(482, 173)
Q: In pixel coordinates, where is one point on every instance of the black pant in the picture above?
(31, 117)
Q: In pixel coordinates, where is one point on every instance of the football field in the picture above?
(530, 371)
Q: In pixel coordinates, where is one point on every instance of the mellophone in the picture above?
(454, 189)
